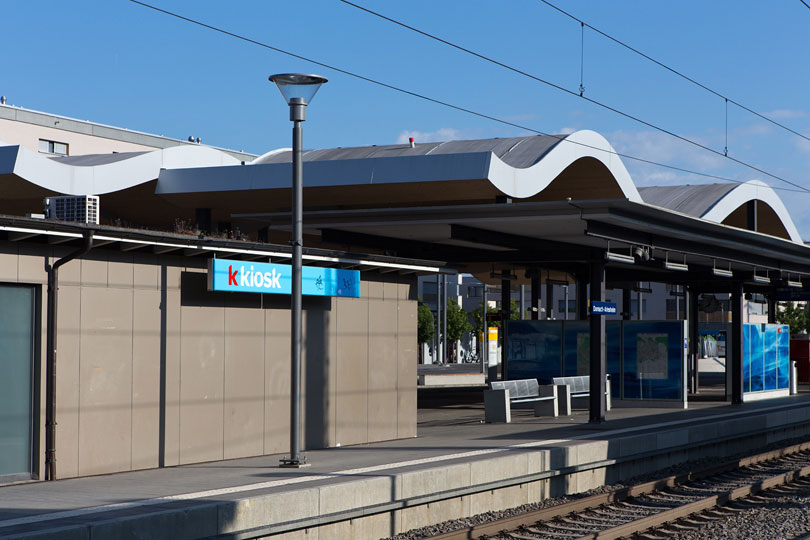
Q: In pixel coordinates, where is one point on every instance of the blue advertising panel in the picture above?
(766, 357)
(256, 277)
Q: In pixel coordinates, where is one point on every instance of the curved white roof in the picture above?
(107, 173)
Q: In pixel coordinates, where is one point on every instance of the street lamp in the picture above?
(298, 89)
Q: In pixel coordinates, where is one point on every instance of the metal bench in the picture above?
(521, 393)
(570, 388)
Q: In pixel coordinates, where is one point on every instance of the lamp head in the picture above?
(298, 85)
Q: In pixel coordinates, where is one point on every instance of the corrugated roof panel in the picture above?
(691, 200)
(519, 152)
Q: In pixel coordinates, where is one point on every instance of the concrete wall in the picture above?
(154, 370)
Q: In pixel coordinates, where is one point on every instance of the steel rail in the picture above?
(527, 519)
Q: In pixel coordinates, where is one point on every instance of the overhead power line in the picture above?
(805, 4)
(572, 93)
(678, 73)
(562, 138)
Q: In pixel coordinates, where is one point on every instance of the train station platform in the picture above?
(457, 465)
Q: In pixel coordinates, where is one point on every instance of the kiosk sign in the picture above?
(603, 308)
(240, 276)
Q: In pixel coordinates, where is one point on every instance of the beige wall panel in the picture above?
(382, 370)
(146, 273)
(9, 263)
(390, 291)
(244, 382)
(69, 273)
(374, 290)
(31, 264)
(201, 379)
(145, 379)
(277, 381)
(172, 337)
(173, 274)
(68, 386)
(94, 271)
(106, 381)
(120, 270)
(406, 369)
(352, 375)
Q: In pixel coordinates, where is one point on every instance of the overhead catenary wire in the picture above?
(573, 93)
(679, 73)
(562, 138)
(805, 4)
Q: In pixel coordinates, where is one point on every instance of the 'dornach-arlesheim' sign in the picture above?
(240, 276)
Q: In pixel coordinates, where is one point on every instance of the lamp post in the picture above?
(298, 89)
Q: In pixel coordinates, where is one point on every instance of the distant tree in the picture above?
(792, 315)
(458, 324)
(476, 316)
(425, 329)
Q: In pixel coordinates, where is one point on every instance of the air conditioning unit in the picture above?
(76, 208)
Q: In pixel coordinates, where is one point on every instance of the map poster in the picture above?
(652, 356)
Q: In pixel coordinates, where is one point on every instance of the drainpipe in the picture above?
(50, 360)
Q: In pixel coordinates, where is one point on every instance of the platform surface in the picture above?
(450, 431)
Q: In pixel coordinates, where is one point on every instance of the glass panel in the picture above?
(757, 356)
(782, 356)
(577, 348)
(60, 148)
(45, 146)
(16, 340)
(535, 350)
(769, 365)
(746, 374)
(653, 360)
(613, 343)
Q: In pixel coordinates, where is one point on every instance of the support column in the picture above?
(536, 296)
(692, 322)
(506, 314)
(627, 309)
(582, 297)
(522, 302)
(598, 364)
(549, 299)
(736, 342)
(771, 308)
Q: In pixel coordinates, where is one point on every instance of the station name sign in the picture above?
(255, 277)
(603, 308)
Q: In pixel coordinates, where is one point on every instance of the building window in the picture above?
(53, 147)
(572, 306)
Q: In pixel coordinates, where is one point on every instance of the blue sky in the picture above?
(118, 63)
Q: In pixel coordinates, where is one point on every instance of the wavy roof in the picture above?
(582, 166)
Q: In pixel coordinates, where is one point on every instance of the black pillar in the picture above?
(202, 220)
(582, 297)
(506, 314)
(536, 296)
(626, 307)
(597, 372)
(692, 322)
(735, 340)
(549, 298)
(772, 308)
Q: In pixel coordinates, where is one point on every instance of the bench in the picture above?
(521, 393)
(570, 388)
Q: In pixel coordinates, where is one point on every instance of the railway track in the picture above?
(659, 508)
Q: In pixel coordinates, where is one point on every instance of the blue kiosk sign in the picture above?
(254, 277)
